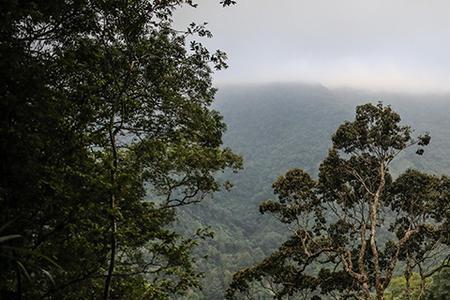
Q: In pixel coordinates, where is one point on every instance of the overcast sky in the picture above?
(401, 45)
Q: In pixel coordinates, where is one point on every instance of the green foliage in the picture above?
(396, 289)
(106, 126)
(355, 219)
(276, 127)
(440, 286)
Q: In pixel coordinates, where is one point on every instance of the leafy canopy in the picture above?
(355, 225)
(106, 126)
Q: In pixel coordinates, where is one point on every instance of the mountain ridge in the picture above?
(279, 127)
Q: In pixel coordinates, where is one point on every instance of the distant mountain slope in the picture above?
(279, 127)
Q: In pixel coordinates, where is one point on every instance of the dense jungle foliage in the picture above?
(280, 127)
(106, 127)
(118, 159)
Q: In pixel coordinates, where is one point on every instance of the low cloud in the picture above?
(399, 45)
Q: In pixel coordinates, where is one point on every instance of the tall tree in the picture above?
(353, 225)
(106, 127)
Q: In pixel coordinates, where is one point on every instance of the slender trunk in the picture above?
(361, 262)
(366, 290)
(422, 288)
(113, 241)
(423, 279)
(19, 283)
(407, 276)
(373, 234)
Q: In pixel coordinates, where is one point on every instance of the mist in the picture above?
(400, 46)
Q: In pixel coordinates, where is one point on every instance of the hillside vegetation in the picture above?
(280, 127)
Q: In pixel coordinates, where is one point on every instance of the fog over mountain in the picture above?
(315, 107)
(225, 149)
(381, 45)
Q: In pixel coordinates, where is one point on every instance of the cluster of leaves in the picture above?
(275, 127)
(355, 226)
(105, 128)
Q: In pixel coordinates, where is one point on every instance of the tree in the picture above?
(106, 128)
(354, 226)
(440, 286)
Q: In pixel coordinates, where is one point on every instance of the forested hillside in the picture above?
(126, 174)
(280, 127)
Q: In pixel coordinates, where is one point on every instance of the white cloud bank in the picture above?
(401, 45)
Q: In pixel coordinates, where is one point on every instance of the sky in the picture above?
(391, 45)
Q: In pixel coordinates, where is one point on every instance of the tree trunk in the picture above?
(373, 233)
(407, 276)
(366, 291)
(19, 283)
(423, 279)
(113, 241)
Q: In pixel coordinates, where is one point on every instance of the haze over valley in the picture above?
(277, 127)
(225, 149)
